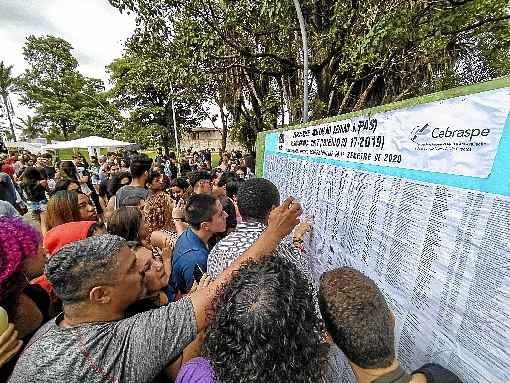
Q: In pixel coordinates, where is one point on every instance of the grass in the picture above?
(215, 160)
(67, 154)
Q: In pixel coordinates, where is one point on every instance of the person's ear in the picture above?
(100, 295)
(328, 338)
(393, 320)
(204, 226)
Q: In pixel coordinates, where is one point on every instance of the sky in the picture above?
(94, 28)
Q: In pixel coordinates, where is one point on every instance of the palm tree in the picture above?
(30, 128)
(6, 82)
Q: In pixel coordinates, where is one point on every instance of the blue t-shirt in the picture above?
(189, 251)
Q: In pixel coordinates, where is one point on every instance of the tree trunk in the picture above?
(6, 104)
(256, 103)
(345, 100)
(167, 136)
(224, 127)
(364, 96)
(63, 126)
(165, 141)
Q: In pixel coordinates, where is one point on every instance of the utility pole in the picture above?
(305, 58)
(175, 123)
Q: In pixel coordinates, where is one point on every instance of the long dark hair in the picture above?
(68, 170)
(125, 222)
(63, 184)
(31, 176)
(115, 182)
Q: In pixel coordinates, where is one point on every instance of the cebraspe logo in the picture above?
(427, 134)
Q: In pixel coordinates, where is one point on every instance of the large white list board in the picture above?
(439, 251)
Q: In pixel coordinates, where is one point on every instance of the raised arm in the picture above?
(281, 223)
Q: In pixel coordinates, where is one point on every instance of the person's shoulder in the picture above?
(7, 210)
(46, 339)
(185, 251)
(181, 311)
(123, 189)
(182, 240)
(436, 373)
(197, 370)
(285, 248)
(192, 255)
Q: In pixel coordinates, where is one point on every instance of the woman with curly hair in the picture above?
(164, 220)
(266, 329)
(21, 259)
(158, 213)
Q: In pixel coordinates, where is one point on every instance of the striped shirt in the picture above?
(239, 240)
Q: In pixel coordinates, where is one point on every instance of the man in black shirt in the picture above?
(45, 164)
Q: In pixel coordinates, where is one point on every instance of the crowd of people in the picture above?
(129, 269)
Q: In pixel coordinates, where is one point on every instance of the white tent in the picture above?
(32, 147)
(89, 142)
(92, 143)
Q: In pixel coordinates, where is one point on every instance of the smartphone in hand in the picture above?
(197, 273)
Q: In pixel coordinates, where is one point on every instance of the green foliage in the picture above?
(30, 127)
(145, 81)
(247, 54)
(67, 104)
(6, 79)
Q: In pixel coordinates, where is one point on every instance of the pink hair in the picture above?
(18, 241)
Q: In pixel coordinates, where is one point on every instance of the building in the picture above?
(206, 137)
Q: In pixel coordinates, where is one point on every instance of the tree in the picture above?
(30, 127)
(6, 85)
(66, 102)
(362, 54)
(144, 84)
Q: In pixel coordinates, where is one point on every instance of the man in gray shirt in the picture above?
(140, 168)
(97, 279)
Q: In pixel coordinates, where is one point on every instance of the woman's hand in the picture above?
(166, 256)
(301, 229)
(161, 240)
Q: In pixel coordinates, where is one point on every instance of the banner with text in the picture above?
(455, 136)
(418, 199)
